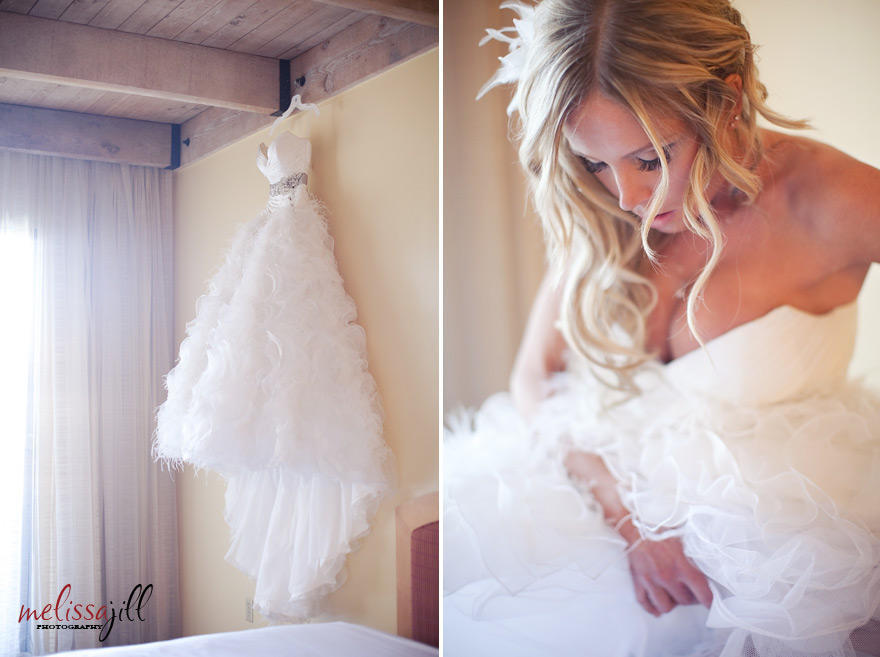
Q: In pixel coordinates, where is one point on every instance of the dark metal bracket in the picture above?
(284, 91)
(175, 146)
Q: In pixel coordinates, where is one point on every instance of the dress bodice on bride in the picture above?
(785, 354)
(755, 451)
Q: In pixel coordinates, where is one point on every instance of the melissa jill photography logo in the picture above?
(104, 615)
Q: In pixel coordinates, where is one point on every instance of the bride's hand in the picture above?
(664, 577)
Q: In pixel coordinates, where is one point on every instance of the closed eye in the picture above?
(653, 165)
(644, 165)
(593, 167)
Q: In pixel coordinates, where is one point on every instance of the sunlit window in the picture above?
(16, 309)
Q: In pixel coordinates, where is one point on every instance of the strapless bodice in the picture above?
(784, 355)
(286, 156)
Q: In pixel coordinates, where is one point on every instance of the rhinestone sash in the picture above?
(287, 185)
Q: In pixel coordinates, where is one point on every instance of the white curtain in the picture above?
(96, 512)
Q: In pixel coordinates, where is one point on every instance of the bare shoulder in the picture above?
(830, 194)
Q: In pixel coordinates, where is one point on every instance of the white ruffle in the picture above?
(776, 503)
(272, 391)
(274, 354)
(291, 533)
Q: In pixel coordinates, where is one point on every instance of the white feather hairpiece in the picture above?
(519, 38)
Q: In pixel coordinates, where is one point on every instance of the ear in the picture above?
(734, 80)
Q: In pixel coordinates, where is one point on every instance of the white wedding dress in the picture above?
(272, 391)
(763, 459)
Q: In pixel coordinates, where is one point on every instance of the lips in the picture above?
(661, 219)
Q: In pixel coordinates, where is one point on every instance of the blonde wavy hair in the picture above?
(672, 56)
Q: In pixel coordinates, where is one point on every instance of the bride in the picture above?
(681, 467)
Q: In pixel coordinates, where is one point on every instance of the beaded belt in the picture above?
(287, 185)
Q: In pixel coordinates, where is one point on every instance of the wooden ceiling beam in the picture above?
(423, 12)
(359, 52)
(363, 50)
(67, 53)
(85, 136)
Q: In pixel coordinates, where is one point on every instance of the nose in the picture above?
(633, 190)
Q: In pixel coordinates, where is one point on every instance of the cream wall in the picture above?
(818, 59)
(492, 244)
(374, 165)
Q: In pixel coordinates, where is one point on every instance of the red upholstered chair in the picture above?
(418, 568)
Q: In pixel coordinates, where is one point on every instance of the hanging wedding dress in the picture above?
(272, 391)
(757, 453)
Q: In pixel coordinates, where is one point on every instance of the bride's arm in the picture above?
(540, 352)
(663, 576)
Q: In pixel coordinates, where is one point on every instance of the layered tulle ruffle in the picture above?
(272, 391)
(776, 503)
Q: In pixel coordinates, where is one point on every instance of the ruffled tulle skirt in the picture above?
(272, 391)
(777, 505)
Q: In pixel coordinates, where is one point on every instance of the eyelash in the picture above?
(644, 165)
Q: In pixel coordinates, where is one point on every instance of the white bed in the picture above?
(308, 640)
(417, 612)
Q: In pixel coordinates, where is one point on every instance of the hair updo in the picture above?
(657, 58)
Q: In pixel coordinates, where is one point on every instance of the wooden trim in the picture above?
(423, 12)
(216, 128)
(61, 52)
(358, 53)
(84, 136)
(410, 516)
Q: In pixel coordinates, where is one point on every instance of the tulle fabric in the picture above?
(774, 501)
(272, 391)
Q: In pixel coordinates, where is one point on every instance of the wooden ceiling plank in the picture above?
(82, 11)
(303, 29)
(114, 13)
(214, 129)
(141, 108)
(148, 14)
(222, 13)
(150, 109)
(84, 136)
(331, 30)
(358, 53)
(103, 103)
(36, 94)
(56, 51)
(49, 8)
(78, 100)
(251, 18)
(17, 6)
(193, 111)
(13, 92)
(63, 97)
(423, 12)
(257, 40)
(180, 18)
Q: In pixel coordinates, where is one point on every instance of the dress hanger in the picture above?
(295, 104)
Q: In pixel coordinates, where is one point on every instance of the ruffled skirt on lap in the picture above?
(776, 504)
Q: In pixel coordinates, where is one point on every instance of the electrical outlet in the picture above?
(249, 610)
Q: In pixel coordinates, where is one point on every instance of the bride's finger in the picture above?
(681, 594)
(660, 599)
(642, 598)
(699, 585)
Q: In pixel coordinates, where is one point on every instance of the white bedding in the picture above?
(309, 640)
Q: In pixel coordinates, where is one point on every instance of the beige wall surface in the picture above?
(374, 165)
(818, 59)
(492, 244)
